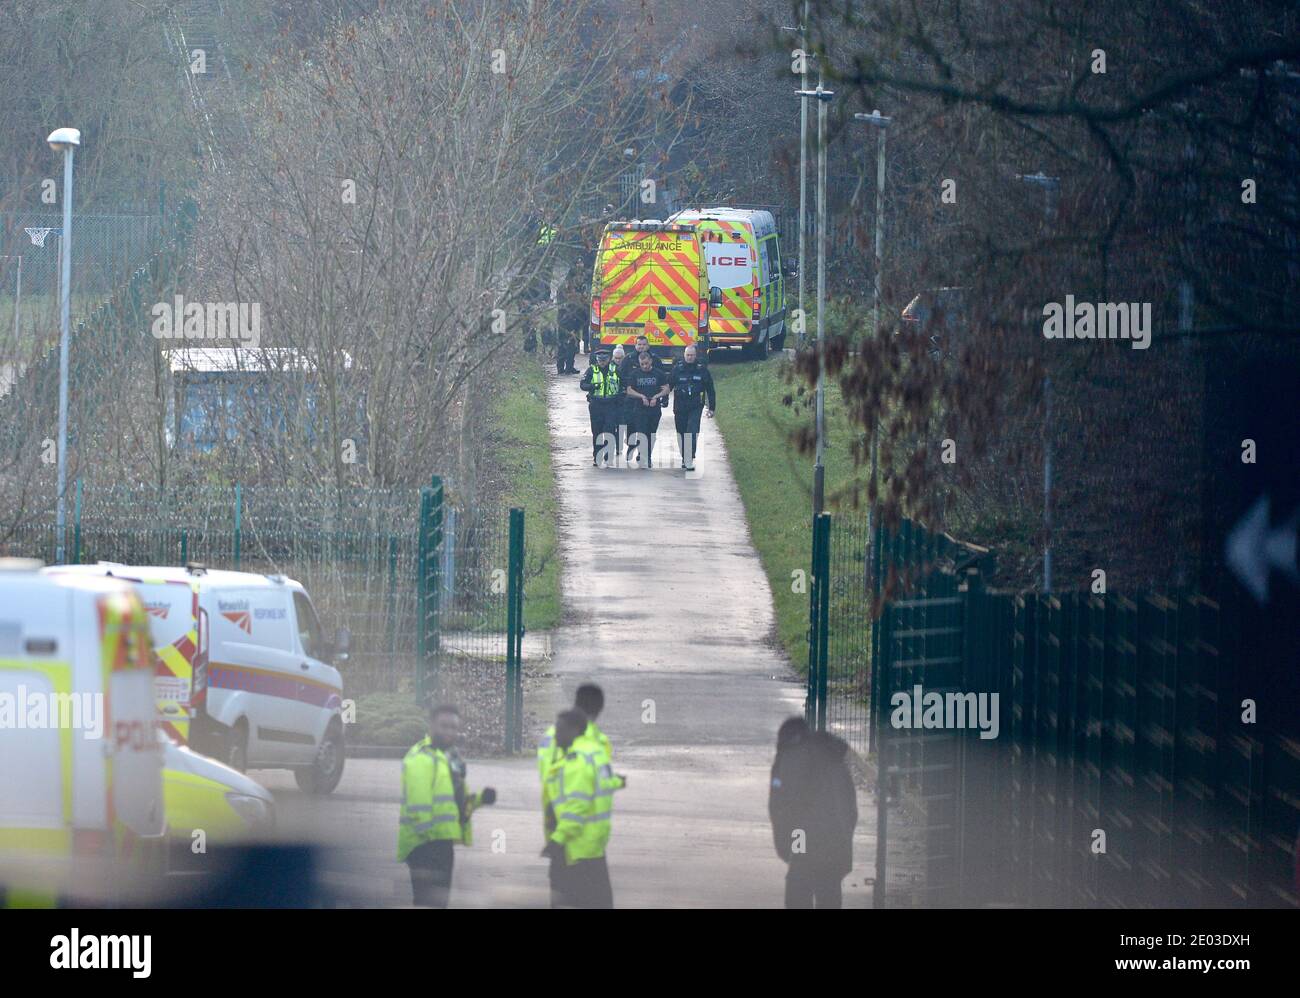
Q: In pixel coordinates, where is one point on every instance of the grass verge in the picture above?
(522, 445)
(775, 480)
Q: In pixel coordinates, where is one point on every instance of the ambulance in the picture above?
(650, 280)
(82, 805)
(245, 672)
(742, 255)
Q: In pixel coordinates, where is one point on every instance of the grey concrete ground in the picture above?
(667, 607)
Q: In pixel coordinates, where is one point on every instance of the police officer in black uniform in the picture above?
(604, 403)
(632, 362)
(572, 319)
(647, 393)
(692, 387)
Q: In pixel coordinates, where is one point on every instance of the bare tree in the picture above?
(386, 218)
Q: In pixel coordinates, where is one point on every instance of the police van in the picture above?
(81, 779)
(245, 671)
(742, 255)
(92, 790)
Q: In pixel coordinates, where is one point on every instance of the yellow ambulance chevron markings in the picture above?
(176, 659)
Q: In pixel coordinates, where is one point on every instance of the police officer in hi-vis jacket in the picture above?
(604, 391)
(436, 808)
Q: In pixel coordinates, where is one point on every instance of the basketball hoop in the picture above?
(37, 235)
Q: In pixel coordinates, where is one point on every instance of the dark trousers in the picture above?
(584, 884)
(564, 357)
(604, 420)
(624, 420)
(688, 432)
(808, 885)
(430, 864)
(642, 430)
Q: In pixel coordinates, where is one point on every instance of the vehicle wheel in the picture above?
(778, 342)
(324, 774)
(237, 746)
(754, 351)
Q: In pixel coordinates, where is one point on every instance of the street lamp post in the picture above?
(823, 97)
(803, 159)
(1050, 186)
(803, 170)
(881, 123)
(64, 140)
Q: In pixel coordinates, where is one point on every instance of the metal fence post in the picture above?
(810, 690)
(449, 556)
(392, 594)
(239, 522)
(428, 589)
(881, 680)
(815, 704)
(76, 527)
(514, 719)
(823, 619)
(873, 719)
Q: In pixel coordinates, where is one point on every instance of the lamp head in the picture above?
(64, 138)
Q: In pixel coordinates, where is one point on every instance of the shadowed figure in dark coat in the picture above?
(814, 809)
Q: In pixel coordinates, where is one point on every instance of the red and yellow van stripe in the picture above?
(634, 284)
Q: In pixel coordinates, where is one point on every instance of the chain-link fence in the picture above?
(106, 248)
(432, 594)
(114, 324)
(354, 550)
(469, 625)
(116, 258)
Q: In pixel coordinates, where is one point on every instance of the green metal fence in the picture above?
(1130, 776)
(432, 593)
(917, 651)
(470, 620)
(1122, 773)
(839, 657)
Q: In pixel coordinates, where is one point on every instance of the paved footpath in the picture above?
(668, 608)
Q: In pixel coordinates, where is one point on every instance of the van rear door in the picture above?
(173, 609)
(732, 265)
(650, 282)
(129, 714)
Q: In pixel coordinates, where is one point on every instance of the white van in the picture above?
(81, 767)
(243, 662)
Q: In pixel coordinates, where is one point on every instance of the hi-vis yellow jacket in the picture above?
(592, 744)
(547, 748)
(429, 810)
(571, 796)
